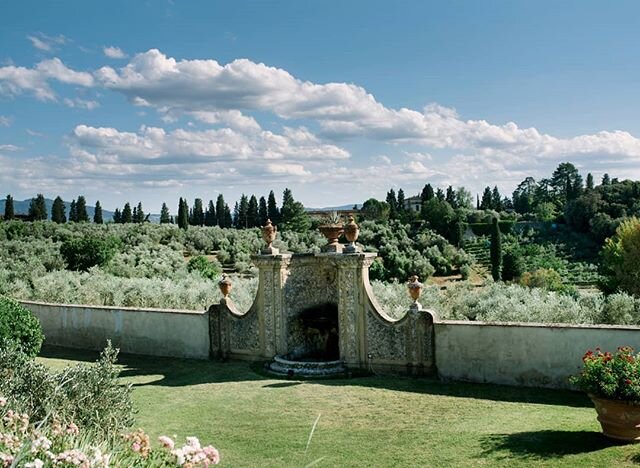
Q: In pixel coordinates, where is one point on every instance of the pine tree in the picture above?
(220, 204)
(272, 208)
(243, 212)
(164, 214)
(606, 180)
(293, 215)
(127, 215)
(81, 210)
(117, 216)
(496, 250)
(58, 211)
(97, 214)
(8, 208)
(134, 216)
(210, 215)
(139, 217)
(236, 215)
(590, 184)
(197, 214)
(263, 211)
(253, 217)
(38, 208)
(487, 202)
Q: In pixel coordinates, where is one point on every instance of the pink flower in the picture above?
(167, 442)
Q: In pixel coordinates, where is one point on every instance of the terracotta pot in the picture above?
(225, 286)
(332, 232)
(351, 230)
(620, 420)
(269, 235)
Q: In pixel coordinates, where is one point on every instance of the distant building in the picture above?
(413, 203)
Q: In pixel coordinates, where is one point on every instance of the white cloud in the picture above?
(9, 148)
(46, 43)
(16, 80)
(114, 52)
(81, 103)
(5, 121)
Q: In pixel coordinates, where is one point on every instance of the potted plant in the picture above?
(612, 381)
(332, 229)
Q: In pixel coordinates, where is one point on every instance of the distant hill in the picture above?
(336, 208)
(22, 207)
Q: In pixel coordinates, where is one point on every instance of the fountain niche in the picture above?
(313, 343)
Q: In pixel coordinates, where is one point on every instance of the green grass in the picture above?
(255, 420)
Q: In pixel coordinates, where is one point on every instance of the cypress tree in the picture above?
(164, 214)
(197, 214)
(450, 197)
(392, 201)
(487, 201)
(210, 215)
(117, 216)
(8, 208)
(134, 216)
(127, 216)
(73, 212)
(590, 181)
(427, 193)
(81, 210)
(263, 211)
(220, 204)
(97, 214)
(496, 199)
(236, 216)
(183, 217)
(440, 195)
(58, 211)
(400, 201)
(293, 215)
(606, 180)
(253, 217)
(227, 221)
(140, 216)
(272, 208)
(496, 250)
(38, 208)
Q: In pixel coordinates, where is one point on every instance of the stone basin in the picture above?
(305, 367)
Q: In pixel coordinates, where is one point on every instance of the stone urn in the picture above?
(619, 420)
(415, 289)
(269, 235)
(225, 286)
(332, 229)
(351, 232)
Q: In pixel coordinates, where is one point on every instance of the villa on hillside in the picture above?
(413, 203)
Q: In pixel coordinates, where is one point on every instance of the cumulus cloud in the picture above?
(114, 52)
(16, 80)
(81, 103)
(46, 43)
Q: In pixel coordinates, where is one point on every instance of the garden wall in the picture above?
(522, 354)
(155, 332)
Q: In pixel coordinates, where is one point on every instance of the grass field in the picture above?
(255, 420)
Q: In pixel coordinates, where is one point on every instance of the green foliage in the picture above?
(611, 376)
(375, 210)
(496, 251)
(97, 214)
(293, 215)
(621, 255)
(209, 270)
(88, 395)
(20, 327)
(465, 272)
(484, 228)
(38, 208)
(546, 211)
(81, 210)
(86, 252)
(58, 211)
(513, 265)
(544, 278)
(8, 208)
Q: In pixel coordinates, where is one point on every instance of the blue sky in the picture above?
(150, 101)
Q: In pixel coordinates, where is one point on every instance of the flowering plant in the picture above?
(613, 376)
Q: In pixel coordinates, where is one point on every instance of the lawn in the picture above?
(256, 420)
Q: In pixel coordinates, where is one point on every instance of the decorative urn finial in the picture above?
(225, 286)
(415, 289)
(332, 229)
(351, 232)
(269, 235)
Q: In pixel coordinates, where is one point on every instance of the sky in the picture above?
(339, 101)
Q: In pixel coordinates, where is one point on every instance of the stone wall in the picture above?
(522, 354)
(155, 332)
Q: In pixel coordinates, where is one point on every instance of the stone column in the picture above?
(352, 272)
(272, 276)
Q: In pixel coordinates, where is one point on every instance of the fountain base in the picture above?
(305, 368)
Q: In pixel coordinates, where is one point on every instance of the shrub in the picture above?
(545, 278)
(512, 265)
(85, 252)
(465, 272)
(18, 325)
(621, 255)
(209, 270)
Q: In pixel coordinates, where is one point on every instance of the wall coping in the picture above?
(474, 323)
(127, 309)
